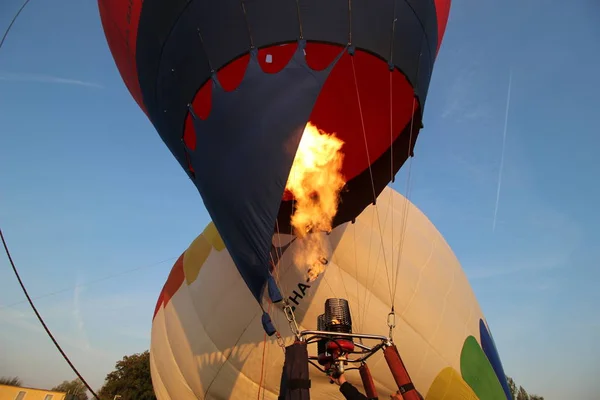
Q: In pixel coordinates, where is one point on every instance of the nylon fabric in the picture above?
(437, 313)
(243, 199)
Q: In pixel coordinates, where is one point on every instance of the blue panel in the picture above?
(244, 153)
(489, 348)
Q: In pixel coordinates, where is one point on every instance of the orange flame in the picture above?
(315, 181)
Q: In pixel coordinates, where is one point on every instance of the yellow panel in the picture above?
(448, 385)
(194, 258)
(212, 235)
(198, 252)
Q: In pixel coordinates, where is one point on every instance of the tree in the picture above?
(131, 379)
(512, 386)
(12, 381)
(75, 389)
(520, 393)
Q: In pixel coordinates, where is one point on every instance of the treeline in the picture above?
(131, 380)
(519, 393)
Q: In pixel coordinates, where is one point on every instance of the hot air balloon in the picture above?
(207, 340)
(231, 86)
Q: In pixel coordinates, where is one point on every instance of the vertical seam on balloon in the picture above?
(333, 258)
(423, 28)
(437, 328)
(425, 264)
(170, 347)
(468, 321)
(359, 319)
(382, 248)
(327, 283)
(230, 353)
(162, 49)
(243, 5)
(448, 387)
(299, 20)
(212, 70)
(349, 22)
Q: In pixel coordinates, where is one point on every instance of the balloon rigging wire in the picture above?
(362, 120)
(362, 310)
(104, 278)
(360, 326)
(405, 209)
(14, 267)
(12, 22)
(392, 174)
(369, 288)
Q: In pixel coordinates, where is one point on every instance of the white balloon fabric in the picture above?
(208, 340)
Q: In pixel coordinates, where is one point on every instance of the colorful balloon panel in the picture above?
(208, 341)
(230, 86)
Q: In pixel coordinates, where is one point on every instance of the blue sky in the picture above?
(88, 190)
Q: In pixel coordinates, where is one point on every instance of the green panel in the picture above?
(477, 371)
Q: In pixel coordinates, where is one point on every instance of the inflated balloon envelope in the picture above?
(207, 339)
(230, 86)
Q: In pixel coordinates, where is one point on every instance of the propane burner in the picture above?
(337, 316)
(332, 348)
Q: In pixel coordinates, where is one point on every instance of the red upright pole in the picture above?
(367, 380)
(405, 385)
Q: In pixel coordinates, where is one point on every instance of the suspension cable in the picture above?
(10, 260)
(12, 22)
(364, 131)
(88, 283)
(9, 256)
(406, 208)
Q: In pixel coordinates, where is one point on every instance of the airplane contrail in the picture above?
(503, 149)
(26, 77)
